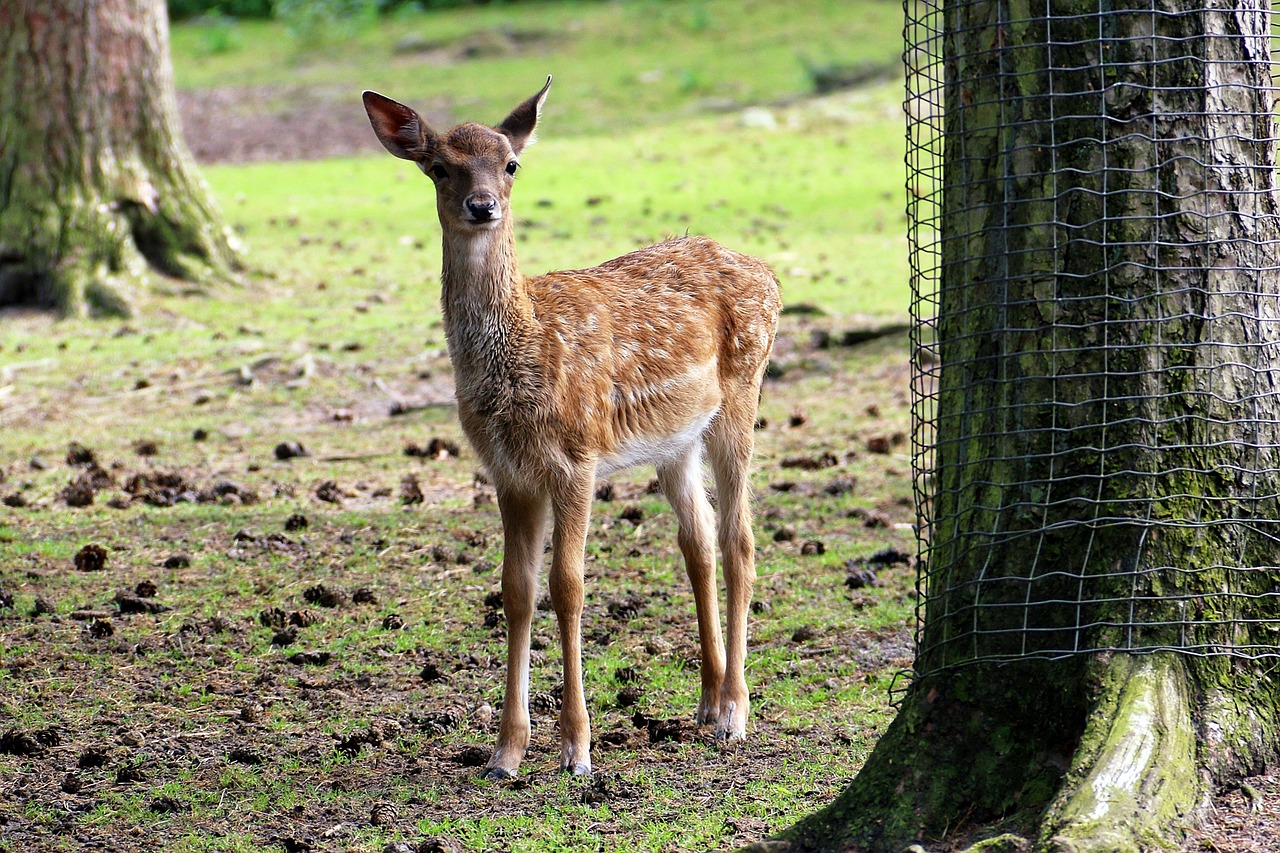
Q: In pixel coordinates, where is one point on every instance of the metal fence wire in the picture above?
(1095, 285)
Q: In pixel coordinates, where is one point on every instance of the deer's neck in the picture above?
(487, 311)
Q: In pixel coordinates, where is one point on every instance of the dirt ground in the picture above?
(258, 723)
(224, 127)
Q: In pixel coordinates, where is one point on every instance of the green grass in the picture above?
(616, 64)
(337, 318)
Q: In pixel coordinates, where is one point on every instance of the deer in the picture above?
(651, 358)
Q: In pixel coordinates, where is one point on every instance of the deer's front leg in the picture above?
(571, 507)
(523, 527)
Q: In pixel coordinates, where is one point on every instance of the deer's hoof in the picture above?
(732, 724)
(497, 774)
(577, 769)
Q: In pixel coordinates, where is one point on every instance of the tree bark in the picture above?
(96, 186)
(1101, 571)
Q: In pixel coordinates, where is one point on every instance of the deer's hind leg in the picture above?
(730, 442)
(681, 481)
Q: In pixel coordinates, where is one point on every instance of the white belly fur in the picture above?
(643, 449)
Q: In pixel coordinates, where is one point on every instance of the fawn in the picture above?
(566, 376)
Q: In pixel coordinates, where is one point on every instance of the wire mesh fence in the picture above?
(1095, 260)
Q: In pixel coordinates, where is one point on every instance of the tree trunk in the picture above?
(1101, 573)
(96, 186)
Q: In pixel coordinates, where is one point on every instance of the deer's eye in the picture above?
(437, 171)
(512, 166)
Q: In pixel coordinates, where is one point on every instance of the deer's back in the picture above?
(660, 309)
(640, 352)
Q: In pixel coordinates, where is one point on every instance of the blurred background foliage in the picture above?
(181, 10)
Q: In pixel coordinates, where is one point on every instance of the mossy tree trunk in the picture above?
(97, 189)
(1108, 439)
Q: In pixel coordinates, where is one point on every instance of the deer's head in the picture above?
(472, 166)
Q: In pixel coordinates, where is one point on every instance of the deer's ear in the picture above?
(519, 126)
(399, 128)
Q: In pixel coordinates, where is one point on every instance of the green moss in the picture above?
(1135, 776)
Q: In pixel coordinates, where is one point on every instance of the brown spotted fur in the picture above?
(649, 357)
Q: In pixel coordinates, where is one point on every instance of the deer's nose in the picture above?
(482, 207)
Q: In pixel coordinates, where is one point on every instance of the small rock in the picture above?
(287, 637)
(411, 490)
(439, 845)
(891, 557)
(130, 773)
(633, 514)
(166, 805)
(615, 738)
(392, 622)
(77, 494)
(130, 602)
(78, 454)
(177, 561)
(840, 486)
(657, 646)
(289, 450)
(242, 755)
(310, 658)
(803, 634)
(472, 756)
(811, 463)
(92, 757)
(758, 117)
(859, 578)
(15, 742)
(329, 492)
(626, 609)
(295, 522)
(812, 548)
(626, 675)
(99, 629)
(871, 518)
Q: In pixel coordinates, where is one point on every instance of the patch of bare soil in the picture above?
(1244, 819)
(239, 124)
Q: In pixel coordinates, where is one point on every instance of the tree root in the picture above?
(977, 763)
